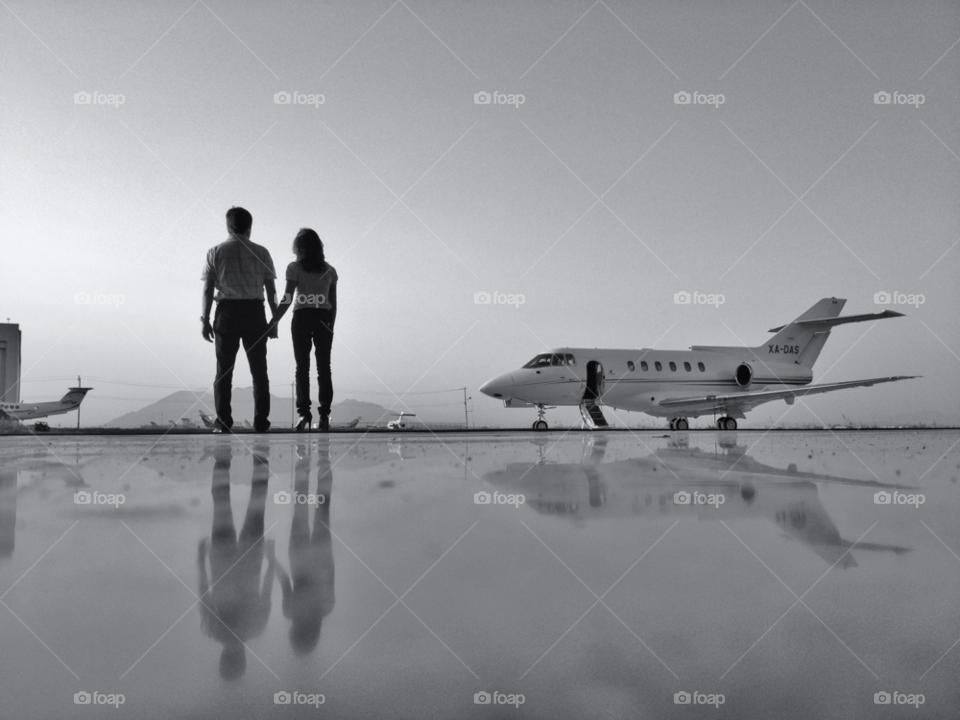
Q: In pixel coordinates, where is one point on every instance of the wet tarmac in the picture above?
(621, 575)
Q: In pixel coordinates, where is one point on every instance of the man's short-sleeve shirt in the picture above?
(239, 269)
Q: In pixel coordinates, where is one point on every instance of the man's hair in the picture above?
(239, 220)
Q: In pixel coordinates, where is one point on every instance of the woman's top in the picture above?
(313, 289)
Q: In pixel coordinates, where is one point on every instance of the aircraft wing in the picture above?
(749, 400)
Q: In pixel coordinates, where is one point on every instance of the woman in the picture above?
(312, 289)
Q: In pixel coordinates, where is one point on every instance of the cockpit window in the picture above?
(571, 360)
(557, 360)
(539, 361)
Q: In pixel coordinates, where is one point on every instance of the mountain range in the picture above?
(184, 404)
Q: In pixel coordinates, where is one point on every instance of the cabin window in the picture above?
(658, 366)
(630, 366)
(643, 365)
(571, 361)
(686, 366)
(702, 368)
(673, 366)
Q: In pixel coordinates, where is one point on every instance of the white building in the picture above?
(9, 362)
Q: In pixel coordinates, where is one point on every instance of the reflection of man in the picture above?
(235, 607)
(308, 590)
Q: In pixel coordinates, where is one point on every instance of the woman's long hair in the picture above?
(309, 246)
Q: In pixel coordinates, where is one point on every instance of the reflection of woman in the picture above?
(312, 288)
(234, 608)
(308, 590)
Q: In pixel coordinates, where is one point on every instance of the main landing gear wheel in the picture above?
(726, 423)
(681, 424)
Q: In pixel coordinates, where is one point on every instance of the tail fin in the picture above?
(801, 341)
(75, 395)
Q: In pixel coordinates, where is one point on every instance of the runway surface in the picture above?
(568, 575)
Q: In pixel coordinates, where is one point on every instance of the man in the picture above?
(239, 270)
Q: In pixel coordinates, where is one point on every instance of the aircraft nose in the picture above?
(500, 387)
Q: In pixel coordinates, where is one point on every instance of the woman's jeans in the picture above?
(312, 327)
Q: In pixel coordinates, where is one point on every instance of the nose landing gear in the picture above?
(540, 424)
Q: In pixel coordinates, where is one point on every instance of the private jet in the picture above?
(682, 384)
(399, 424)
(32, 411)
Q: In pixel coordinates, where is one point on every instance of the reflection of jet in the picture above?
(32, 411)
(399, 424)
(681, 384)
(396, 446)
(646, 487)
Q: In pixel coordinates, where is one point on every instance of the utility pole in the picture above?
(466, 417)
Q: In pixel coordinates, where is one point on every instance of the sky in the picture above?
(587, 192)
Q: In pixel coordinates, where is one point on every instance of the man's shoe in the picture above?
(324, 425)
(261, 428)
(304, 424)
(219, 427)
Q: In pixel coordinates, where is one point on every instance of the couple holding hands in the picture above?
(236, 274)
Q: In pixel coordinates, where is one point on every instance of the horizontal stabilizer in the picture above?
(831, 321)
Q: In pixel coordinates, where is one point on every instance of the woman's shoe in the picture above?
(324, 425)
(304, 424)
